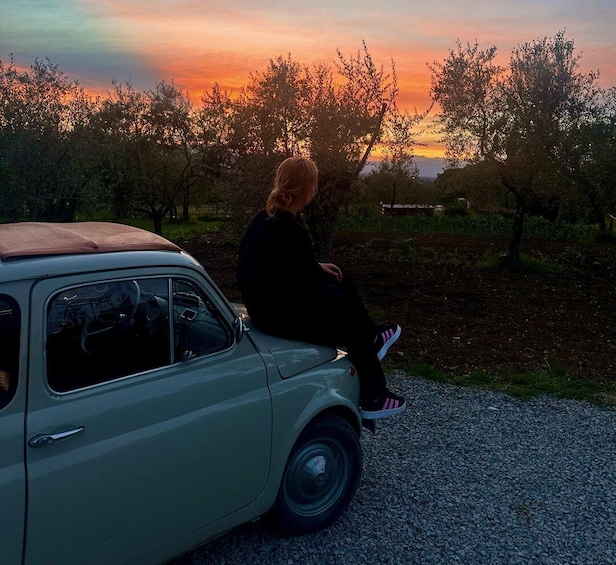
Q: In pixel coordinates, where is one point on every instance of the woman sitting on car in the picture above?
(289, 294)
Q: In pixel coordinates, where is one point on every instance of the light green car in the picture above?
(141, 415)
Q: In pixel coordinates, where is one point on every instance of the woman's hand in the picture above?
(332, 271)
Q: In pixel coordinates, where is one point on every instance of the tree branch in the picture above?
(375, 134)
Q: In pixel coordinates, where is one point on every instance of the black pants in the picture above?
(340, 320)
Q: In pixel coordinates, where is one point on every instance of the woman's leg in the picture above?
(343, 320)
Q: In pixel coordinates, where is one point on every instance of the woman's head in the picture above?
(295, 185)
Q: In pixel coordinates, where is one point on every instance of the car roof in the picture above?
(31, 239)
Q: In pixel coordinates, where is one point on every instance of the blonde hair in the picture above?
(295, 178)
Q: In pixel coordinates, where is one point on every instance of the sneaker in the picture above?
(389, 405)
(385, 338)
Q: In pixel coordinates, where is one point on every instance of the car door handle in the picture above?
(45, 439)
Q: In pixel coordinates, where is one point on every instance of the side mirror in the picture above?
(239, 327)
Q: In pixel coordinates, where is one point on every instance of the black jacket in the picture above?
(277, 272)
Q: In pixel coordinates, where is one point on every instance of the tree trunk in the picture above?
(158, 224)
(322, 213)
(518, 226)
(321, 229)
(186, 203)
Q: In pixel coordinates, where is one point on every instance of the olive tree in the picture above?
(347, 112)
(171, 120)
(397, 168)
(216, 157)
(150, 159)
(521, 118)
(264, 124)
(46, 161)
(332, 114)
(594, 165)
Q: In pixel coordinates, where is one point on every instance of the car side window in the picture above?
(10, 324)
(102, 332)
(198, 328)
(105, 331)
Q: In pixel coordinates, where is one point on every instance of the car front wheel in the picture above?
(321, 476)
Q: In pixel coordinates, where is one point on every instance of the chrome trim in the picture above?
(41, 440)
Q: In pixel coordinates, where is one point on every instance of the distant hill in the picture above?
(429, 167)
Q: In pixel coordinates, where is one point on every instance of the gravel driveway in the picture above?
(463, 476)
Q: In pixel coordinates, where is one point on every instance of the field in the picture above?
(528, 332)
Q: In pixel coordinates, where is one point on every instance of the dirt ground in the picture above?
(458, 317)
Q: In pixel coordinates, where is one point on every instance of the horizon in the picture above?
(433, 166)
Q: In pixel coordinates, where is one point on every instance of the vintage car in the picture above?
(141, 415)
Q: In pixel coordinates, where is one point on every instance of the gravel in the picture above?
(463, 476)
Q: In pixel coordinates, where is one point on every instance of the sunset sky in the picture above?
(197, 43)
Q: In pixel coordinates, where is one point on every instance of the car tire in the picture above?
(320, 478)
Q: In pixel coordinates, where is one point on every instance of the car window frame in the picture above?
(216, 314)
(201, 283)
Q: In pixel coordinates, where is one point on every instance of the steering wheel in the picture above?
(112, 314)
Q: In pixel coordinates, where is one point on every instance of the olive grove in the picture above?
(152, 152)
(538, 129)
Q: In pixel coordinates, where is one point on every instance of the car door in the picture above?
(145, 458)
(12, 412)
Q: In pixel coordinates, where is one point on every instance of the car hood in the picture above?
(291, 357)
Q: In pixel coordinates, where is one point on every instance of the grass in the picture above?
(528, 264)
(178, 230)
(555, 382)
(469, 224)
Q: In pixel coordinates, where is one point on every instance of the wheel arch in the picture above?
(321, 481)
(342, 412)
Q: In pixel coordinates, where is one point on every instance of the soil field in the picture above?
(458, 317)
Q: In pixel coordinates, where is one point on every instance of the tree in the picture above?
(467, 88)
(521, 118)
(266, 123)
(150, 158)
(333, 115)
(45, 157)
(479, 183)
(347, 117)
(171, 120)
(273, 109)
(213, 128)
(397, 166)
(593, 163)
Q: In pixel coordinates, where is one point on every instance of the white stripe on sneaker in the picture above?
(389, 337)
(389, 407)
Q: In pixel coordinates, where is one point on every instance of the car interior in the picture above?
(98, 333)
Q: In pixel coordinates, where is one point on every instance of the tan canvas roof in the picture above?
(27, 239)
